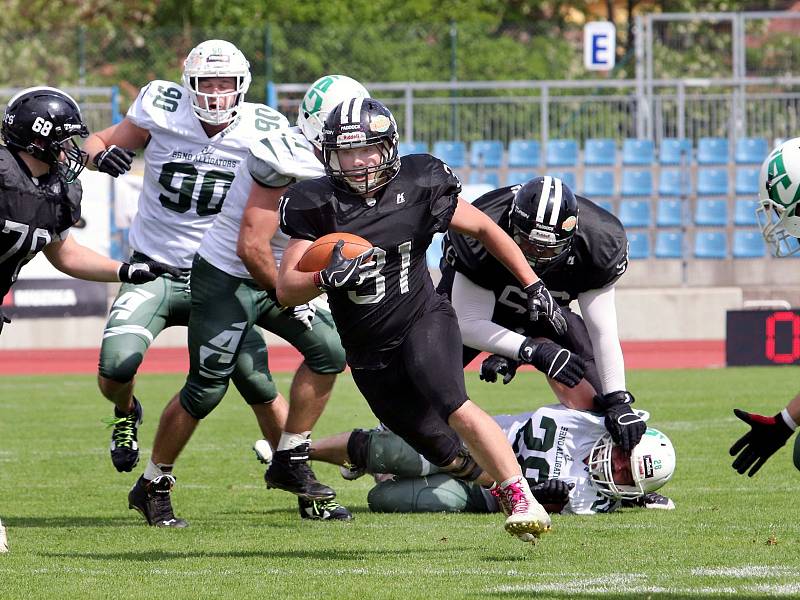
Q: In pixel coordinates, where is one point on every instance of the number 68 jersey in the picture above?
(187, 174)
(552, 443)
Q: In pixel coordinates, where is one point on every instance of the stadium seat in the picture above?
(406, 148)
(711, 213)
(712, 182)
(748, 243)
(567, 177)
(673, 182)
(750, 151)
(598, 184)
(434, 252)
(486, 153)
(520, 177)
(675, 151)
(524, 153)
(634, 213)
(638, 245)
(747, 181)
(669, 244)
(712, 151)
(491, 178)
(562, 153)
(599, 152)
(669, 213)
(710, 244)
(605, 205)
(637, 152)
(744, 212)
(453, 153)
(637, 182)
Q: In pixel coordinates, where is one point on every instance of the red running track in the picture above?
(692, 354)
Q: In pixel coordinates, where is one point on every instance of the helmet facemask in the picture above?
(780, 226)
(367, 179)
(541, 248)
(216, 58)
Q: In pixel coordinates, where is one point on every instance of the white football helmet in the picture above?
(778, 198)
(216, 58)
(652, 465)
(325, 94)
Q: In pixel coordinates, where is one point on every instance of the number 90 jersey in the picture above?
(552, 443)
(187, 174)
(374, 319)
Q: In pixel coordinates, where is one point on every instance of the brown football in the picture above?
(318, 255)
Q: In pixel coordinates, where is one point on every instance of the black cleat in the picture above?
(289, 471)
(323, 510)
(124, 444)
(151, 499)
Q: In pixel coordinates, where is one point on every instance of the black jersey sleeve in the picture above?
(607, 245)
(444, 188)
(299, 211)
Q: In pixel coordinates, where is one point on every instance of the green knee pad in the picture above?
(796, 455)
(437, 493)
(388, 453)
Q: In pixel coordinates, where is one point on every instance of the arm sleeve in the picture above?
(600, 315)
(474, 306)
(445, 190)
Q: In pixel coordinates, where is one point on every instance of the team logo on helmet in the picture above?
(569, 223)
(380, 124)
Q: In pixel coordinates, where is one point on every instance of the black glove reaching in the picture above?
(552, 491)
(766, 436)
(146, 271)
(624, 425)
(3, 320)
(114, 160)
(541, 302)
(554, 361)
(342, 273)
(495, 365)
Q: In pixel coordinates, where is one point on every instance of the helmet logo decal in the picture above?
(313, 99)
(647, 465)
(777, 175)
(569, 223)
(380, 124)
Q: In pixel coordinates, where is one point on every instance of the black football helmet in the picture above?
(357, 123)
(42, 122)
(543, 219)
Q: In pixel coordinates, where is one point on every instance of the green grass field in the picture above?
(72, 535)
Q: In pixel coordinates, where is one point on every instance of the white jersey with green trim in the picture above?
(278, 159)
(554, 442)
(187, 174)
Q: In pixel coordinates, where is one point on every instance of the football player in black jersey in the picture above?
(401, 337)
(580, 251)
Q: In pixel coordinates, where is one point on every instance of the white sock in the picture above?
(290, 441)
(153, 470)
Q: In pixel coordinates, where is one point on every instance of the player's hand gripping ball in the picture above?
(318, 255)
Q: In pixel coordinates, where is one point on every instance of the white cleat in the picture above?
(263, 452)
(3, 539)
(527, 519)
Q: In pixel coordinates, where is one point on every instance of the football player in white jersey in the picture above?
(232, 290)
(194, 135)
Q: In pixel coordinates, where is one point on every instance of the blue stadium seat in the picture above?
(524, 153)
(638, 245)
(750, 151)
(486, 153)
(406, 148)
(605, 205)
(673, 182)
(744, 212)
(747, 181)
(567, 177)
(710, 244)
(637, 182)
(562, 153)
(520, 177)
(711, 213)
(491, 178)
(669, 244)
(712, 151)
(453, 153)
(598, 183)
(434, 252)
(712, 182)
(634, 213)
(669, 213)
(600, 152)
(675, 151)
(748, 243)
(637, 152)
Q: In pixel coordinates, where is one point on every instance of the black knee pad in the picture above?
(464, 466)
(358, 448)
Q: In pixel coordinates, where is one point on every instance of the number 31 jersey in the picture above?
(187, 174)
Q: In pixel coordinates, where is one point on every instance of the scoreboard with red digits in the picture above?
(762, 337)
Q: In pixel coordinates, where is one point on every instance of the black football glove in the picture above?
(766, 436)
(495, 365)
(343, 273)
(552, 491)
(114, 160)
(624, 425)
(142, 272)
(3, 320)
(554, 361)
(540, 302)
